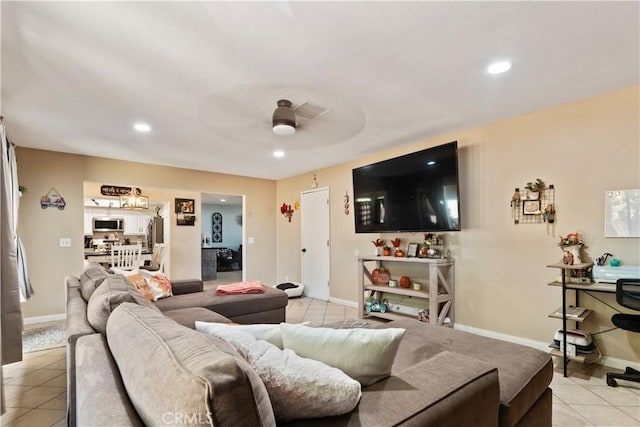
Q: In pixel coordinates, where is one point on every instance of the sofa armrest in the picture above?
(449, 389)
(187, 286)
(76, 323)
(97, 395)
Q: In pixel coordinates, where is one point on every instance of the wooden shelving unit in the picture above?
(439, 281)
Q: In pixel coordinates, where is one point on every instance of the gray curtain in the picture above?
(10, 313)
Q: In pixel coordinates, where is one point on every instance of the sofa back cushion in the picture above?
(91, 278)
(113, 291)
(171, 371)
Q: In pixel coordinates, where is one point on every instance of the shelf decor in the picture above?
(535, 204)
(287, 211)
(379, 244)
(571, 245)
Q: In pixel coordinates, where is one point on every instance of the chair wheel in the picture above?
(611, 382)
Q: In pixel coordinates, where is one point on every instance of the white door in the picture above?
(315, 243)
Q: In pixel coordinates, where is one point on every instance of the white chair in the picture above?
(126, 257)
(157, 259)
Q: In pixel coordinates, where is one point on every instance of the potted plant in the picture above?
(534, 188)
(549, 214)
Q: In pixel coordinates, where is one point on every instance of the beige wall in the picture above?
(583, 148)
(40, 229)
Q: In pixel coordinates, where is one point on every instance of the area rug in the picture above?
(40, 338)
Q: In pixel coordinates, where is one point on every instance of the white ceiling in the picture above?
(206, 75)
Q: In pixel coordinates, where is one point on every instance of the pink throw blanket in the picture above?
(248, 287)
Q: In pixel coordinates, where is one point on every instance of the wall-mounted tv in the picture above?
(414, 192)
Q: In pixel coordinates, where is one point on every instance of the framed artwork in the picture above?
(186, 219)
(412, 250)
(185, 206)
(531, 207)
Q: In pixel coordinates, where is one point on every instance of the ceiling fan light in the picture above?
(284, 119)
(284, 129)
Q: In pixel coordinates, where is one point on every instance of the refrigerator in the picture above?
(155, 231)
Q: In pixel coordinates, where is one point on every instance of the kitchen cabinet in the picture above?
(135, 222)
(88, 223)
(113, 202)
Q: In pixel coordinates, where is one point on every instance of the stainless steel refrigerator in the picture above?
(155, 231)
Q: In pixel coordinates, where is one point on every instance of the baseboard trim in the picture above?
(43, 319)
(612, 362)
(343, 302)
(504, 337)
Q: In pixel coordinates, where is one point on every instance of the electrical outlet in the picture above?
(65, 242)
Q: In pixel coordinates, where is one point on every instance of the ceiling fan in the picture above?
(284, 116)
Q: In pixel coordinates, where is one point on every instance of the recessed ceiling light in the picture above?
(431, 163)
(223, 200)
(278, 153)
(142, 127)
(499, 67)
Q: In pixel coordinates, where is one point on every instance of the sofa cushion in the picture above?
(91, 278)
(261, 331)
(113, 291)
(228, 305)
(169, 370)
(524, 372)
(366, 355)
(188, 316)
(298, 387)
(160, 286)
(140, 283)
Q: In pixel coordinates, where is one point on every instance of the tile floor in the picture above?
(35, 389)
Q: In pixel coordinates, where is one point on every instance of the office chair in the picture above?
(627, 295)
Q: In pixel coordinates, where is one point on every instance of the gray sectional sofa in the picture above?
(149, 366)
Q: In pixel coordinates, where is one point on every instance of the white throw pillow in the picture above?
(298, 387)
(366, 355)
(262, 331)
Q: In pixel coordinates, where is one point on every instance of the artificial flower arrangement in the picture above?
(571, 245)
(287, 211)
(571, 239)
(378, 243)
(396, 242)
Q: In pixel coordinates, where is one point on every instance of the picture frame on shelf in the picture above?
(412, 250)
(531, 207)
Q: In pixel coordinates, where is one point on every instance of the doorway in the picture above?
(222, 237)
(315, 243)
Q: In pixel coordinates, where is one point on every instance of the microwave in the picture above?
(108, 224)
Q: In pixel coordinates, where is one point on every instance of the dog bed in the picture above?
(292, 289)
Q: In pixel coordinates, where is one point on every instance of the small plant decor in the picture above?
(535, 186)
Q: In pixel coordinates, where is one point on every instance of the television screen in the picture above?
(414, 192)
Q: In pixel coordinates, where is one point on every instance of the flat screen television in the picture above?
(414, 192)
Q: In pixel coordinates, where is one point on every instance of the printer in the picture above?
(609, 274)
